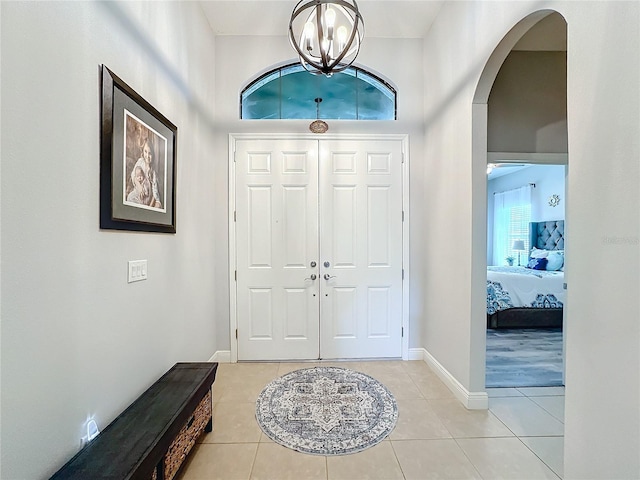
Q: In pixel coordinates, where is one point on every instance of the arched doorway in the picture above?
(479, 185)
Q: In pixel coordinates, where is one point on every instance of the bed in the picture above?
(523, 297)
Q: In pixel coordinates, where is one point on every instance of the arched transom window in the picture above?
(290, 92)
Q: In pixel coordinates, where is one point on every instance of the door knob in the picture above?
(327, 276)
(313, 264)
(312, 277)
(326, 264)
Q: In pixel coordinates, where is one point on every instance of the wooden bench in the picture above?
(153, 436)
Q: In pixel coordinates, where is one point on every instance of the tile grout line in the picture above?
(500, 420)
(253, 464)
(395, 454)
(553, 417)
(467, 457)
(326, 467)
(546, 410)
(422, 397)
(540, 458)
(255, 456)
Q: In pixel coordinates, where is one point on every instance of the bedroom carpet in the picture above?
(524, 358)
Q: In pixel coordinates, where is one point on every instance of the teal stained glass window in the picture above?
(290, 92)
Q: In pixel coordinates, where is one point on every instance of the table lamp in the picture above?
(518, 245)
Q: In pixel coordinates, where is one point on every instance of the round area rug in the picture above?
(326, 411)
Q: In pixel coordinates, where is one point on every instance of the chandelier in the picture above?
(326, 34)
(318, 126)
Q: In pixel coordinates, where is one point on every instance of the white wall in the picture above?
(240, 59)
(602, 421)
(602, 438)
(77, 340)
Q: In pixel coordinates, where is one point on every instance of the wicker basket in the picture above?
(186, 439)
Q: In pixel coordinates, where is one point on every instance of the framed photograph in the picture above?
(137, 162)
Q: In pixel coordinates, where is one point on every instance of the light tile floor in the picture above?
(519, 437)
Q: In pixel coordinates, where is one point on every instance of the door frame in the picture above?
(233, 298)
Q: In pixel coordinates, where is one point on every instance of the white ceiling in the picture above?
(382, 18)
(502, 169)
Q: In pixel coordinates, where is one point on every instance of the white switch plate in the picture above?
(137, 270)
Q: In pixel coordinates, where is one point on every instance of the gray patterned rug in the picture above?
(326, 411)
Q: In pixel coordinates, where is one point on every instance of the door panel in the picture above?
(260, 314)
(343, 317)
(380, 204)
(379, 303)
(259, 218)
(342, 218)
(361, 238)
(277, 238)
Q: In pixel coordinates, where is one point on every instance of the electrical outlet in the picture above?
(137, 270)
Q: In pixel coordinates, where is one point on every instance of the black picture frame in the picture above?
(137, 161)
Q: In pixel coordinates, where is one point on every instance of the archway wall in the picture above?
(457, 50)
(602, 438)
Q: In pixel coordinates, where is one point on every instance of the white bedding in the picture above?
(509, 287)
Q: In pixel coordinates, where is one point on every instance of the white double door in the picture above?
(318, 249)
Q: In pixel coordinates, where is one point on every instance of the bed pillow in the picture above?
(537, 264)
(541, 253)
(538, 253)
(555, 261)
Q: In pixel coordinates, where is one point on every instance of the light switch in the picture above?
(137, 270)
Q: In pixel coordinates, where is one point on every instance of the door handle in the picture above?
(312, 277)
(327, 276)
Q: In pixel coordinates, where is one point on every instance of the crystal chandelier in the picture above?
(326, 34)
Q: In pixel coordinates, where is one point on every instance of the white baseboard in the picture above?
(221, 356)
(471, 400)
(416, 353)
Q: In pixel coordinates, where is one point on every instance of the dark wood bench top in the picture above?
(132, 445)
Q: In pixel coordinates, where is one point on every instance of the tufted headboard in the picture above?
(547, 235)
